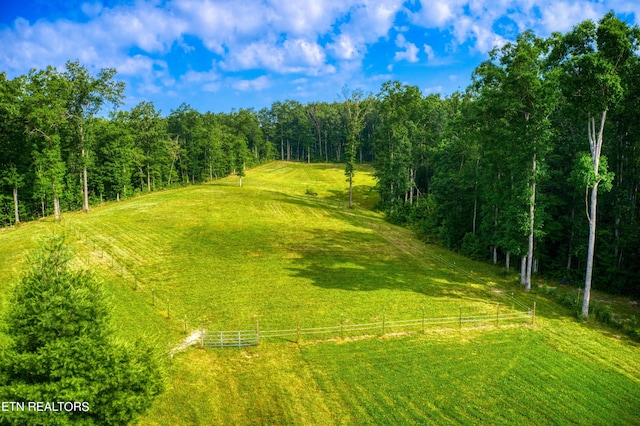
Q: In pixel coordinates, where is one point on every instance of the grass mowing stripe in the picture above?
(512, 375)
(227, 257)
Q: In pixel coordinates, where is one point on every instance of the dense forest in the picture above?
(518, 170)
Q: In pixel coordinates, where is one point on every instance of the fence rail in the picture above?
(244, 338)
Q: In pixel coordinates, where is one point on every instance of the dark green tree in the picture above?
(85, 97)
(62, 350)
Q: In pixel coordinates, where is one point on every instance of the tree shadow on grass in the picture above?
(365, 261)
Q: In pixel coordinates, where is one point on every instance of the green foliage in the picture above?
(61, 349)
(471, 246)
(584, 176)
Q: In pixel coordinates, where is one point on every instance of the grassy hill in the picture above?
(223, 257)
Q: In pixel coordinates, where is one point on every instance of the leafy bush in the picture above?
(471, 246)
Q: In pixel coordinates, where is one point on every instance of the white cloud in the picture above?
(256, 84)
(222, 23)
(291, 56)
(437, 13)
(345, 47)
(410, 52)
(431, 55)
(563, 15)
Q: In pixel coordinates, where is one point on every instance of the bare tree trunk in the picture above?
(475, 213)
(590, 251)
(56, 208)
(412, 181)
(523, 269)
(15, 204)
(85, 205)
(508, 261)
(148, 178)
(595, 145)
(527, 282)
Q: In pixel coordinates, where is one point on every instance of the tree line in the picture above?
(517, 170)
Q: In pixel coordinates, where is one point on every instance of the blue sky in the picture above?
(217, 55)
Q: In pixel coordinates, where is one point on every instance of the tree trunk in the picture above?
(85, 205)
(508, 261)
(527, 282)
(590, 251)
(15, 204)
(148, 177)
(412, 182)
(475, 213)
(523, 269)
(595, 144)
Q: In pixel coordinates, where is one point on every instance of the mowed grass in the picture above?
(226, 257)
(223, 257)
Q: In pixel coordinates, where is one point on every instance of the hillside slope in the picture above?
(223, 257)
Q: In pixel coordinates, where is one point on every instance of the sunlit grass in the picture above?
(223, 257)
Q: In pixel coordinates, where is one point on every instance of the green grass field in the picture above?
(223, 257)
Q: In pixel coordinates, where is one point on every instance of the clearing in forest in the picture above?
(223, 257)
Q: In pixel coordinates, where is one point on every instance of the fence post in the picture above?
(341, 327)
(220, 339)
(533, 317)
(202, 333)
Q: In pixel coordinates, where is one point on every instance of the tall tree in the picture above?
(356, 109)
(592, 59)
(151, 141)
(44, 111)
(85, 97)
